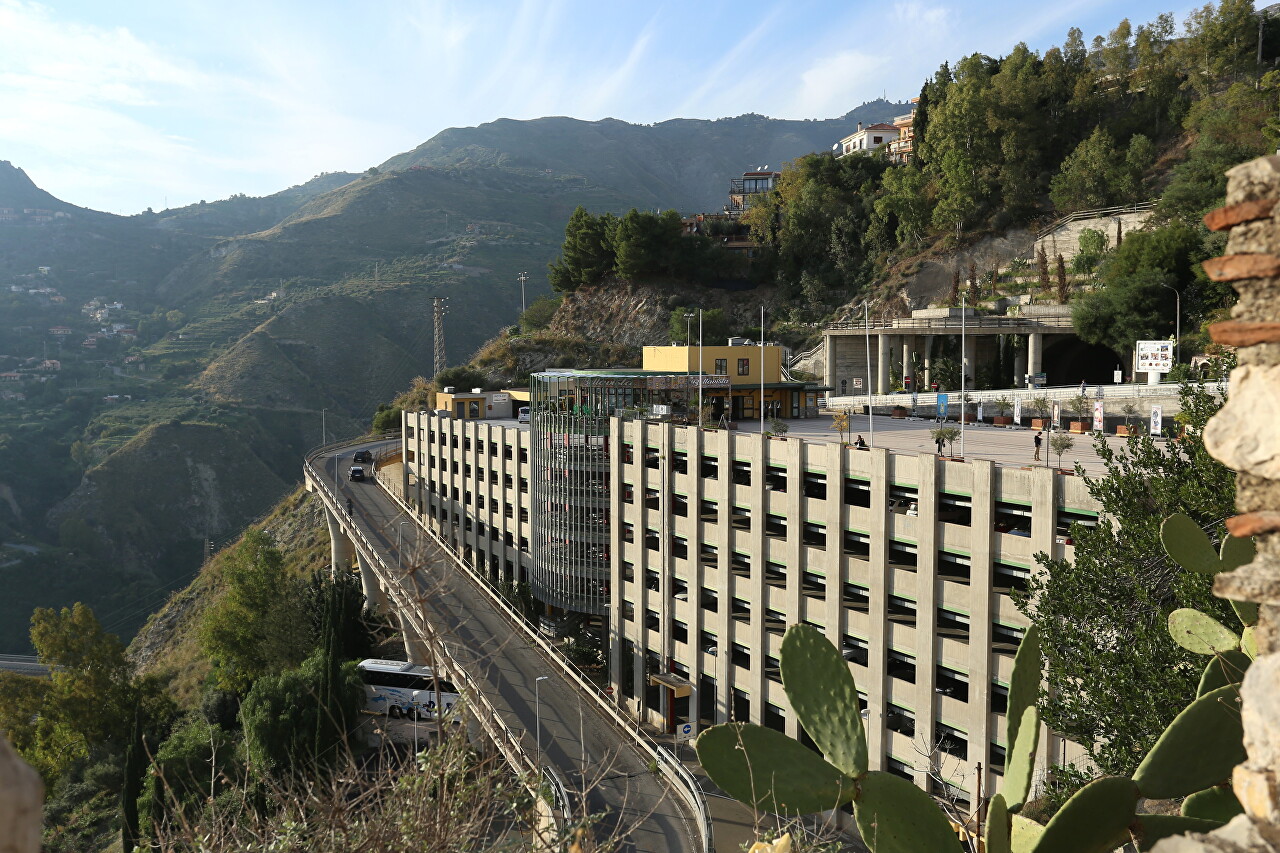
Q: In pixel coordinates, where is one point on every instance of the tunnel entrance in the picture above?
(1069, 360)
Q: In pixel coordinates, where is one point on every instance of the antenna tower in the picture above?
(437, 311)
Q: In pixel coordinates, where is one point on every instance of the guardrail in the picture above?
(929, 399)
(974, 322)
(1095, 213)
(506, 742)
(677, 776)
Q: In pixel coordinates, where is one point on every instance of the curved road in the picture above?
(639, 807)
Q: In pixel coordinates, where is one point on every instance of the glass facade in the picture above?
(569, 423)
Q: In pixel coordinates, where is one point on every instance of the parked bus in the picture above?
(400, 689)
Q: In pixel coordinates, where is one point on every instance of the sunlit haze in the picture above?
(132, 104)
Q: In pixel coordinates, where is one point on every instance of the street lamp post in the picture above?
(688, 367)
(537, 712)
(324, 431)
(866, 328)
(524, 276)
(964, 362)
(1177, 322)
(399, 540)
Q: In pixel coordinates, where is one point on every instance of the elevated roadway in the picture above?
(607, 768)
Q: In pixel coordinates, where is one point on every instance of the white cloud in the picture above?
(834, 84)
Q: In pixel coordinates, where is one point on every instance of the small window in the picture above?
(775, 478)
(651, 457)
(902, 610)
(901, 666)
(709, 510)
(708, 554)
(1005, 638)
(857, 491)
(740, 565)
(814, 585)
(953, 624)
(708, 600)
(722, 367)
(741, 656)
(955, 509)
(775, 526)
(854, 649)
(651, 500)
(680, 462)
(679, 631)
(1013, 519)
(951, 740)
(953, 567)
(899, 768)
(857, 544)
(999, 698)
(951, 682)
(744, 367)
(775, 574)
(740, 517)
(742, 472)
(815, 485)
(679, 505)
(740, 610)
(709, 469)
(679, 547)
(815, 535)
(773, 672)
(1006, 577)
(628, 493)
(902, 555)
(900, 720)
(856, 597)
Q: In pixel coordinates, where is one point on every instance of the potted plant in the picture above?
(778, 428)
(965, 417)
(1039, 405)
(1079, 405)
(1002, 406)
(945, 435)
(1130, 411)
(1060, 443)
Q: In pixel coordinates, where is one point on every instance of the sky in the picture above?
(130, 104)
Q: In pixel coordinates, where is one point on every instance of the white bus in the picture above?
(400, 689)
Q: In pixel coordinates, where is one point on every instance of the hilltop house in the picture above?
(867, 139)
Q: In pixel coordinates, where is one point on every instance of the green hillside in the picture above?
(681, 163)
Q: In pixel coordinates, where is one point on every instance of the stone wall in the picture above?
(1245, 435)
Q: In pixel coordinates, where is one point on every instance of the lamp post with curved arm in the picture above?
(1177, 322)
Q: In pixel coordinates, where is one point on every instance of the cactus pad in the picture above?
(1095, 820)
(1021, 760)
(998, 826)
(1153, 827)
(1197, 750)
(1246, 612)
(1024, 833)
(894, 816)
(1223, 669)
(769, 771)
(1218, 803)
(1249, 642)
(1201, 633)
(1024, 685)
(1236, 551)
(820, 687)
(1188, 545)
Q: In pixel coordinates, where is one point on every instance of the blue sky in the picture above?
(129, 104)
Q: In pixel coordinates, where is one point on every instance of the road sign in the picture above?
(1155, 356)
(684, 732)
(857, 384)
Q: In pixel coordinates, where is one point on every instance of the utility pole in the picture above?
(437, 311)
(524, 276)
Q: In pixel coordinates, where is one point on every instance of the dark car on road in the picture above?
(363, 456)
(357, 473)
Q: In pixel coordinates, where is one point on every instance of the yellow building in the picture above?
(735, 378)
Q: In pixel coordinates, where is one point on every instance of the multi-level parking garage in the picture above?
(717, 540)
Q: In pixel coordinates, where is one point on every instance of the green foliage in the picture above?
(386, 418)
(252, 631)
(1097, 175)
(1060, 443)
(1095, 820)
(947, 435)
(715, 327)
(463, 378)
(194, 764)
(289, 727)
(1114, 678)
(539, 314)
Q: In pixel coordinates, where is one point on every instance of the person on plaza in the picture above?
(939, 441)
(1038, 440)
(860, 444)
(1083, 388)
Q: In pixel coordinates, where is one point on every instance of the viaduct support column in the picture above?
(342, 554)
(909, 344)
(928, 363)
(882, 364)
(1019, 362)
(1035, 352)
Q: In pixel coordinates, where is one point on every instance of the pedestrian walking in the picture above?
(1083, 389)
(1038, 441)
(939, 442)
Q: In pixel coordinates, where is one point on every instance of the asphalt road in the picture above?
(598, 761)
(24, 665)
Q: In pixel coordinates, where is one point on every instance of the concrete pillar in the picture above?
(882, 364)
(1019, 364)
(1035, 352)
(21, 798)
(928, 363)
(341, 551)
(415, 651)
(829, 364)
(968, 364)
(908, 349)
